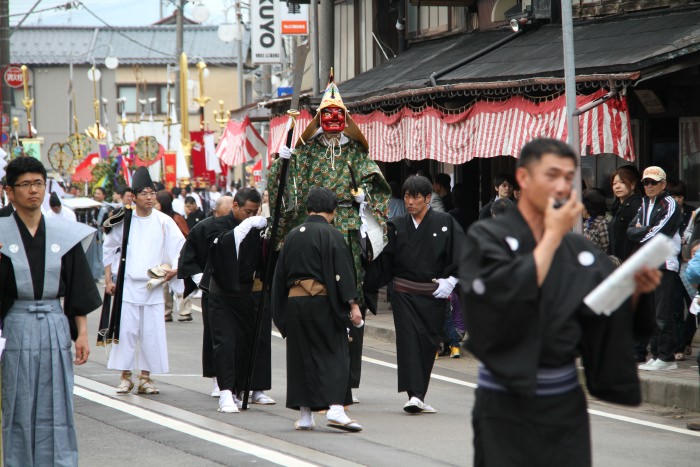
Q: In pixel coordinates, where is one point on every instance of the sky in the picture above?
(113, 12)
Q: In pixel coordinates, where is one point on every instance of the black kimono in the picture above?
(193, 260)
(524, 334)
(430, 251)
(316, 327)
(231, 309)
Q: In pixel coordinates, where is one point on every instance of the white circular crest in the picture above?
(337, 278)
(444, 228)
(55, 248)
(478, 287)
(13, 248)
(302, 229)
(434, 235)
(586, 258)
(513, 243)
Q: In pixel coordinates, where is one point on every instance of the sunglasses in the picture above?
(651, 182)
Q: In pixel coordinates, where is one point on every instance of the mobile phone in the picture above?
(559, 203)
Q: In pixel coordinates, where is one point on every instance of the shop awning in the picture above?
(485, 129)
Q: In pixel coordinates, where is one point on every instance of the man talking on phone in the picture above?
(524, 276)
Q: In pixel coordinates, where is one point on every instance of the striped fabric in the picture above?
(486, 129)
(240, 143)
(550, 381)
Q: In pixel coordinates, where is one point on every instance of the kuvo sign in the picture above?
(13, 76)
(266, 41)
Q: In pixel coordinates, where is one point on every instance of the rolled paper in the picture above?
(620, 285)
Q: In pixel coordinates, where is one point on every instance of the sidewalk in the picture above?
(671, 388)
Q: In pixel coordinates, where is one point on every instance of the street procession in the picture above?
(350, 232)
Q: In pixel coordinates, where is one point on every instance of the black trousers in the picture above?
(514, 431)
(663, 341)
(208, 368)
(232, 324)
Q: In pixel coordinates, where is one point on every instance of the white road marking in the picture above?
(598, 413)
(191, 430)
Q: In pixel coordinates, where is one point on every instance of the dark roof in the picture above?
(143, 45)
(629, 43)
(412, 68)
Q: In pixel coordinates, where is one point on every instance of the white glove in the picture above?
(695, 306)
(259, 222)
(197, 278)
(360, 197)
(445, 287)
(363, 220)
(285, 152)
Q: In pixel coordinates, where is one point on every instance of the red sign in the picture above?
(295, 27)
(257, 171)
(13, 76)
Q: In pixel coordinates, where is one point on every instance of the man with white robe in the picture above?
(154, 240)
(59, 211)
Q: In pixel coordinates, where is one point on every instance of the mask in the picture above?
(332, 120)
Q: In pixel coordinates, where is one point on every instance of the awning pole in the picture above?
(573, 137)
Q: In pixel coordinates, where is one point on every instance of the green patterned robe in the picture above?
(313, 165)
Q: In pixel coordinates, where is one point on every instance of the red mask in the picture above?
(333, 119)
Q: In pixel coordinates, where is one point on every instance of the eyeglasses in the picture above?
(147, 194)
(649, 181)
(38, 184)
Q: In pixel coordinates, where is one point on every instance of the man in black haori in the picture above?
(524, 276)
(312, 293)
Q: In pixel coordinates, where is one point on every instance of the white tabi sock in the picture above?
(337, 413)
(307, 417)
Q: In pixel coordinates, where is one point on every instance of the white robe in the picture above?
(153, 240)
(66, 214)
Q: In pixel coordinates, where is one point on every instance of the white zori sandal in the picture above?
(157, 276)
(125, 385)
(146, 386)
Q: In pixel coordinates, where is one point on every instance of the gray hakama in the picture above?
(37, 369)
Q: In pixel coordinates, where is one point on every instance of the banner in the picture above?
(265, 37)
(240, 143)
(170, 167)
(199, 161)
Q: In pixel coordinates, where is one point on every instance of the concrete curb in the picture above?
(657, 390)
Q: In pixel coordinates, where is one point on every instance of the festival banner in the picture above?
(170, 174)
(198, 157)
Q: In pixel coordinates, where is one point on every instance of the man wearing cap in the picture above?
(659, 214)
(154, 242)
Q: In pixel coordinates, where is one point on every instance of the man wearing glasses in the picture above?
(659, 214)
(154, 240)
(42, 261)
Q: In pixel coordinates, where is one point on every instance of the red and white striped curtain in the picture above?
(240, 143)
(486, 129)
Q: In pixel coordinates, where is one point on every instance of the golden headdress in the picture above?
(331, 98)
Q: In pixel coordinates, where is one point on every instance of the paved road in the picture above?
(181, 427)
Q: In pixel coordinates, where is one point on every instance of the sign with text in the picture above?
(293, 18)
(13, 76)
(266, 40)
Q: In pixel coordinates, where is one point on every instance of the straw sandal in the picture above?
(146, 386)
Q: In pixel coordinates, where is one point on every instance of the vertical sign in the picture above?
(266, 41)
(293, 18)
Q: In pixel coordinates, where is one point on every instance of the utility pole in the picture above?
(313, 31)
(5, 90)
(326, 39)
(179, 40)
(573, 137)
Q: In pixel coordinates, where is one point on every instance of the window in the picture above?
(137, 98)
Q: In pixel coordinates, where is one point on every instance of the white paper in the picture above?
(619, 286)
